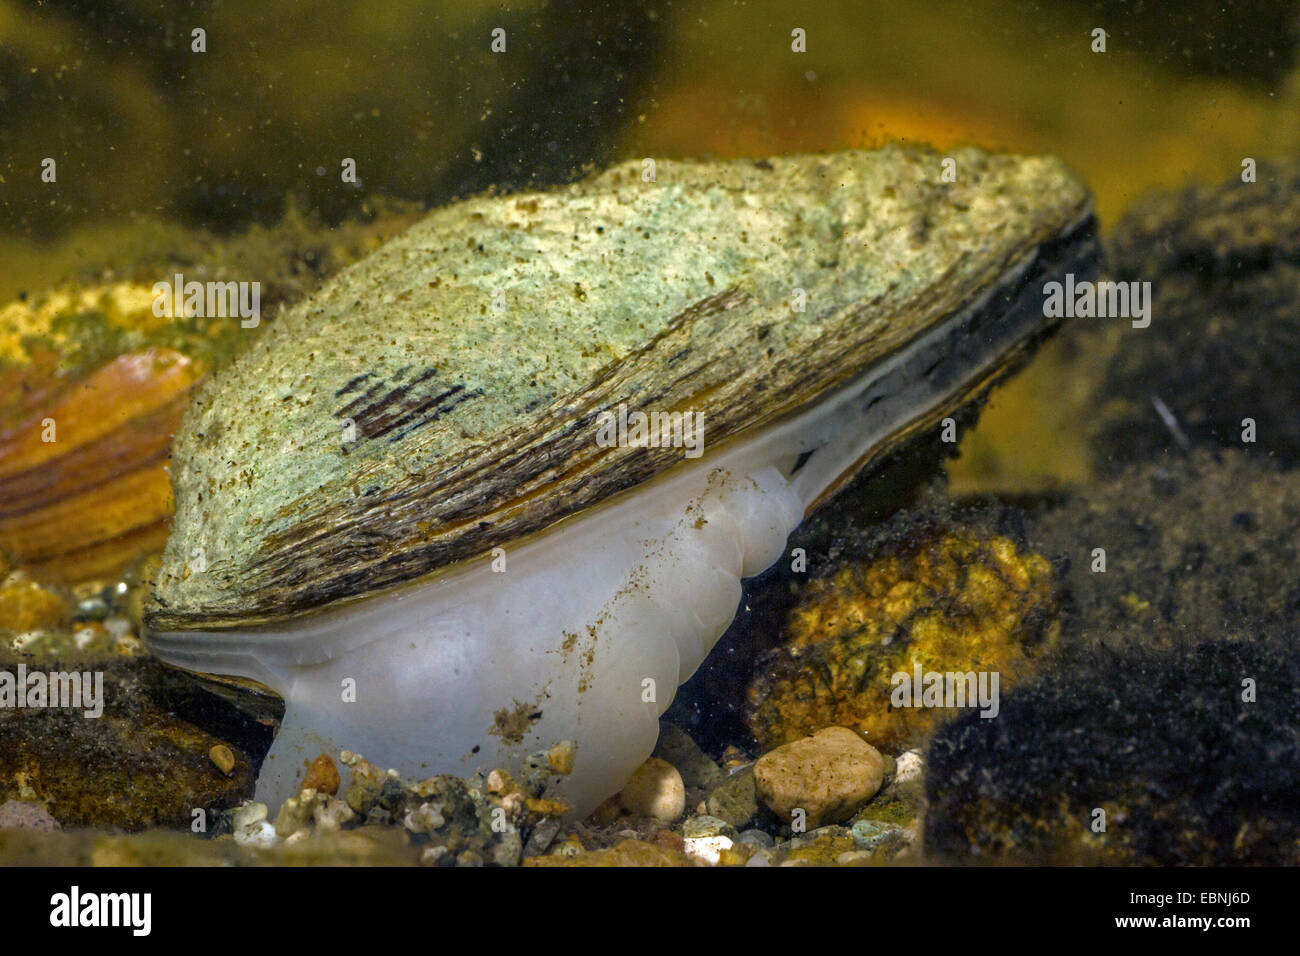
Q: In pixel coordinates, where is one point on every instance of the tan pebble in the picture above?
(655, 790)
(547, 807)
(734, 856)
(829, 776)
(222, 758)
(498, 781)
(515, 805)
(561, 756)
(322, 776)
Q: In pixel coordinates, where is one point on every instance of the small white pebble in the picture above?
(331, 813)
(260, 836)
(423, 819)
(707, 848)
(909, 766)
(249, 813)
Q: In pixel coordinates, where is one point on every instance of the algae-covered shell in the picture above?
(441, 397)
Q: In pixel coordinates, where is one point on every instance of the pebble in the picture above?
(261, 836)
(829, 775)
(19, 815)
(707, 848)
(508, 850)
(910, 767)
(222, 758)
(331, 813)
(295, 813)
(756, 838)
(542, 835)
(707, 826)
(322, 776)
(423, 819)
(656, 790)
(677, 747)
(869, 834)
(735, 799)
(560, 757)
(247, 814)
(252, 828)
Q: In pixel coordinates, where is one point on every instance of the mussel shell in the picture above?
(441, 397)
(83, 482)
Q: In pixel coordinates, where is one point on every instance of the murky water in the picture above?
(1112, 538)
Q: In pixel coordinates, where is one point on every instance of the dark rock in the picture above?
(1203, 548)
(735, 800)
(1224, 339)
(136, 766)
(1160, 739)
